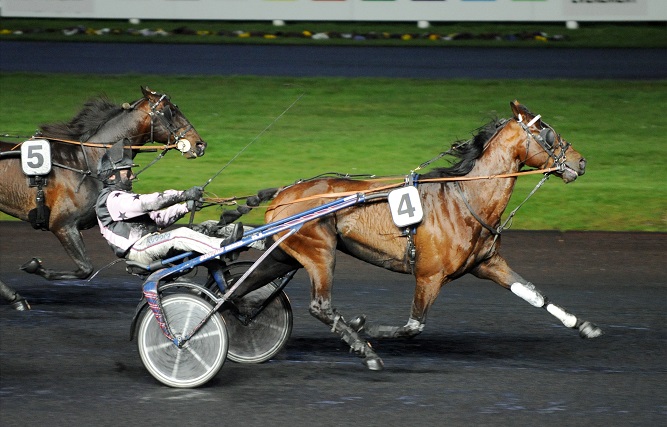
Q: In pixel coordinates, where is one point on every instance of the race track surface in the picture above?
(485, 358)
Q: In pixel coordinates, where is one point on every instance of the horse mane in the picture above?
(467, 152)
(95, 113)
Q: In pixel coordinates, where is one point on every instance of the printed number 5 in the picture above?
(36, 157)
(34, 153)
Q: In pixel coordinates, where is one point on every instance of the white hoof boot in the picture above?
(374, 363)
(589, 330)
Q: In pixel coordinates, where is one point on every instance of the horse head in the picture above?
(549, 148)
(167, 123)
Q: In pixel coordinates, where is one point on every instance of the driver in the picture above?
(130, 222)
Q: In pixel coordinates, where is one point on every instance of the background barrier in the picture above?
(344, 10)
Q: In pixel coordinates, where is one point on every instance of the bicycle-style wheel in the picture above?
(200, 359)
(259, 339)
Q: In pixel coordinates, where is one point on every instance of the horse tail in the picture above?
(231, 215)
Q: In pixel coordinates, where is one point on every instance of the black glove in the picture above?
(194, 193)
(195, 205)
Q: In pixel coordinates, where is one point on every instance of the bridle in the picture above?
(548, 139)
(165, 117)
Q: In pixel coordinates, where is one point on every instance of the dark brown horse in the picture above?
(459, 232)
(71, 187)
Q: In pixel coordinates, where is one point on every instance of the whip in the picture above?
(254, 139)
(192, 214)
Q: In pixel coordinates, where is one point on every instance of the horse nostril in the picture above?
(582, 166)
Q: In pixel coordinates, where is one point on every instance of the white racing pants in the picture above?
(156, 246)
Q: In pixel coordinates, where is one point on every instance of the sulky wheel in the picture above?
(258, 339)
(201, 357)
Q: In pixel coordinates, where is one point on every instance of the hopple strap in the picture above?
(39, 217)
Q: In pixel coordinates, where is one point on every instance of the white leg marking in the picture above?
(569, 320)
(529, 293)
(415, 325)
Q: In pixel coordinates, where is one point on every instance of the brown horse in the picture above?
(71, 187)
(459, 232)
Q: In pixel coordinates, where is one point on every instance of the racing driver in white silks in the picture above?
(130, 222)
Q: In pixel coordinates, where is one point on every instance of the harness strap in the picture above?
(411, 249)
(492, 230)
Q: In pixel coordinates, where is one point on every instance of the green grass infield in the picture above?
(385, 127)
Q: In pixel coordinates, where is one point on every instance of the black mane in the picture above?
(86, 123)
(467, 152)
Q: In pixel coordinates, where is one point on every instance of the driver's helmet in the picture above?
(116, 158)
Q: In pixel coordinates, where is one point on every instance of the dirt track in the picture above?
(485, 358)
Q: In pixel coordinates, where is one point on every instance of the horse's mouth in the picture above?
(200, 148)
(568, 174)
(197, 151)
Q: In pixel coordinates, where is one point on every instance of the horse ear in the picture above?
(516, 108)
(521, 113)
(147, 92)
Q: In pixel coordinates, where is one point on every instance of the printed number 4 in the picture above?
(405, 206)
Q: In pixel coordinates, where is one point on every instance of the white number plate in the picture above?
(405, 205)
(36, 157)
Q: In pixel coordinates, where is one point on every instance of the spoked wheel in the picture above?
(256, 339)
(201, 357)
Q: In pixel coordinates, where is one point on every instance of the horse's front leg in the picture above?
(426, 292)
(496, 269)
(70, 238)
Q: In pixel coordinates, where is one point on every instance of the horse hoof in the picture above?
(32, 266)
(374, 363)
(20, 305)
(358, 323)
(589, 330)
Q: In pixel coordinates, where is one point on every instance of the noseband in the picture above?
(546, 139)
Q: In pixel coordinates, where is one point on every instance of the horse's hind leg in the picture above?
(320, 267)
(16, 301)
(70, 238)
(347, 332)
(496, 269)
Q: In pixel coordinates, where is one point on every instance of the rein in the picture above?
(428, 180)
(150, 148)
